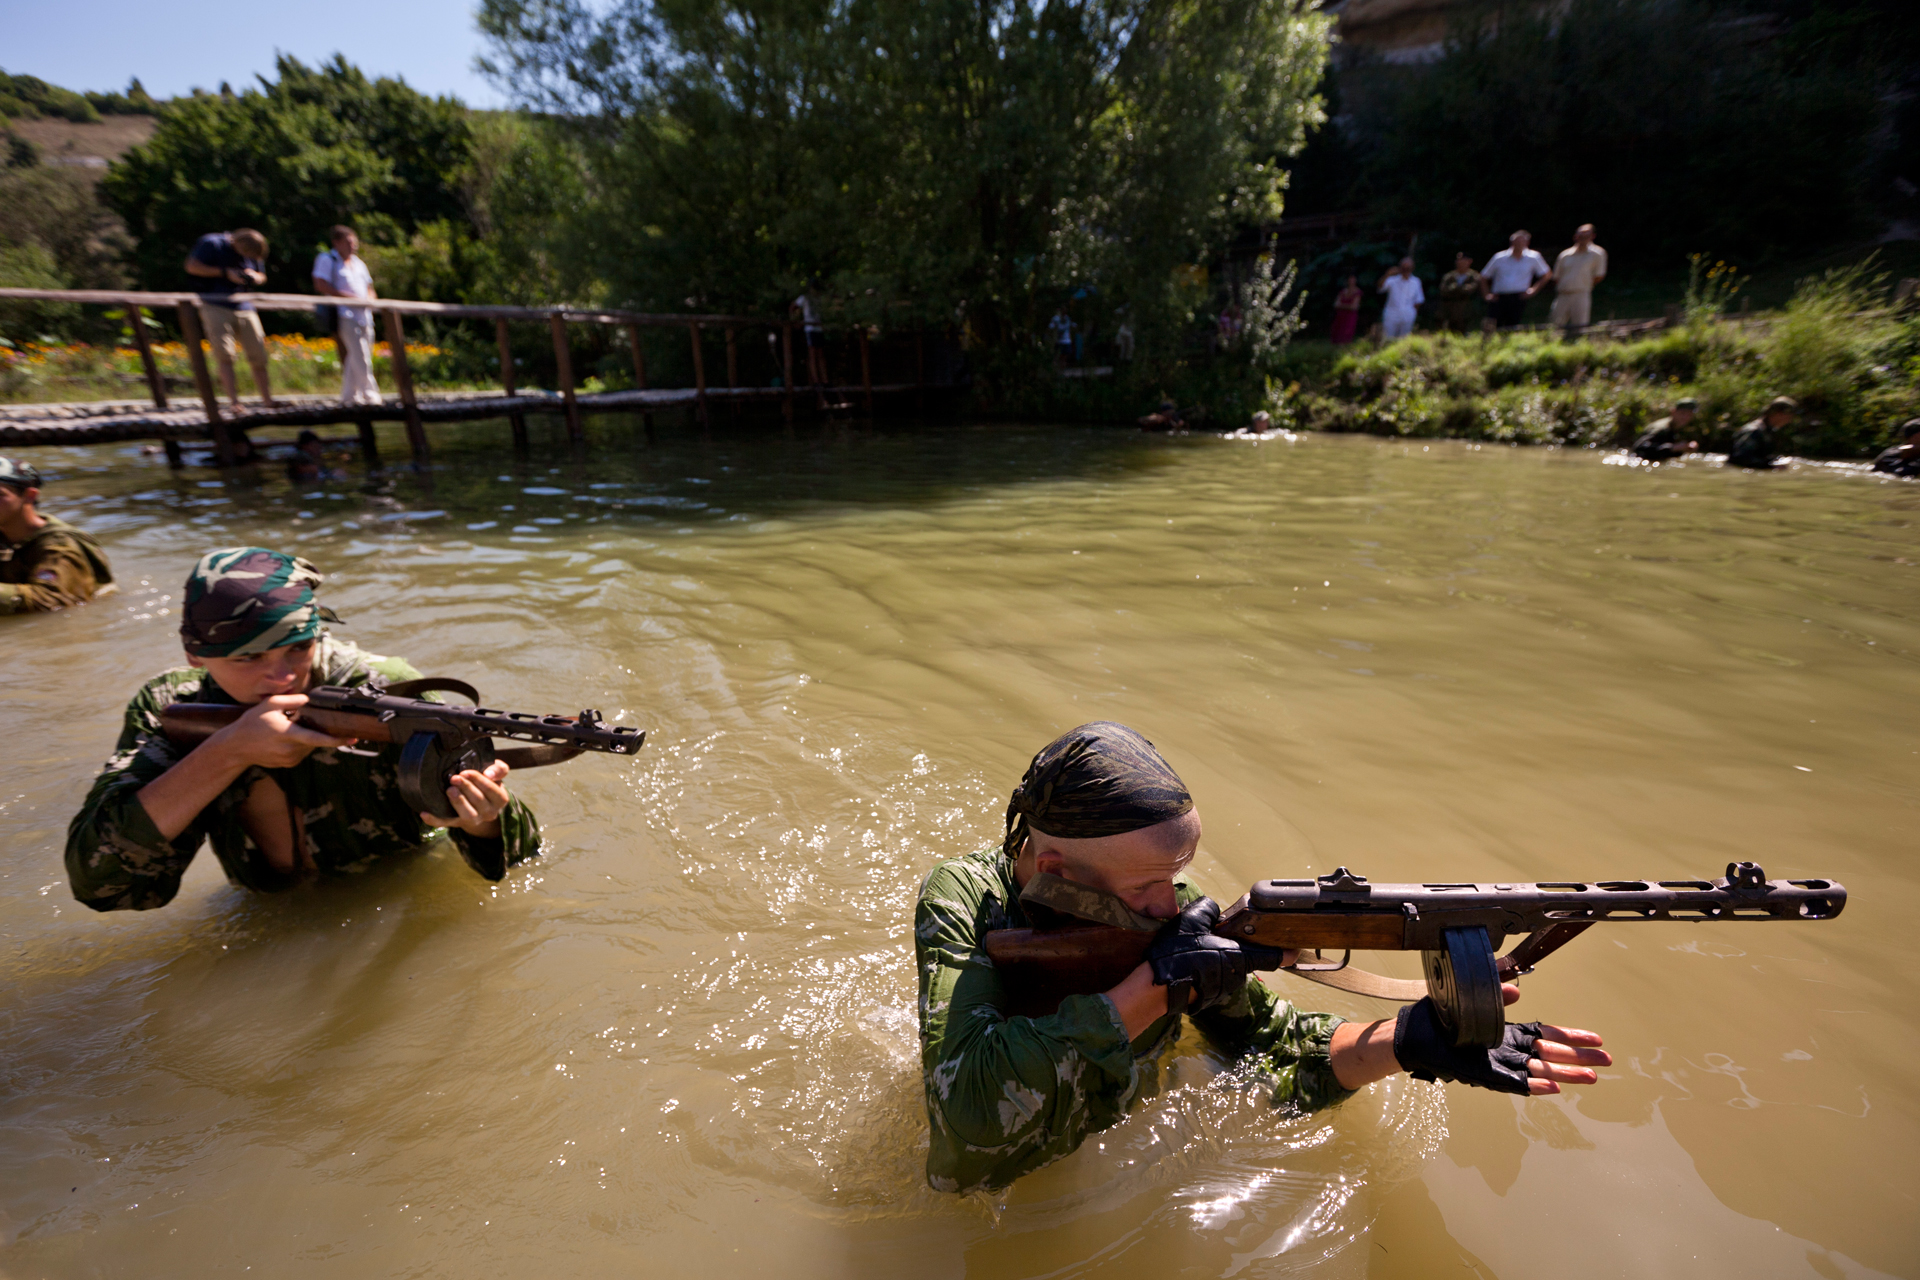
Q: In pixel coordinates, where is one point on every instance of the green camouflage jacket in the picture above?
(1007, 1094)
(349, 805)
(58, 566)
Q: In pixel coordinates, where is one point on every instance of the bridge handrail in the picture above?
(470, 311)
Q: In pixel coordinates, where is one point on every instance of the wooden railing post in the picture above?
(639, 358)
(699, 371)
(403, 378)
(518, 420)
(866, 369)
(203, 383)
(786, 364)
(564, 358)
(369, 444)
(140, 339)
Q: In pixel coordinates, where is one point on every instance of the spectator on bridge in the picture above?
(221, 263)
(815, 335)
(1513, 276)
(1460, 293)
(1346, 312)
(341, 273)
(1405, 295)
(1575, 272)
(1061, 327)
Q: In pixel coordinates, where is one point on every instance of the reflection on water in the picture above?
(684, 1038)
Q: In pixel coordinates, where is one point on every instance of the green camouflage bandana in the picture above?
(19, 475)
(1101, 779)
(246, 600)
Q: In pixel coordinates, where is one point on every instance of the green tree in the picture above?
(923, 159)
(315, 147)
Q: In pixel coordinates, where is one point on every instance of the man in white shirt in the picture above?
(815, 335)
(1575, 272)
(1404, 294)
(1514, 276)
(340, 273)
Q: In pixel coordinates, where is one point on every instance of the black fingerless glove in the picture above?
(1426, 1051)
(1190, 959)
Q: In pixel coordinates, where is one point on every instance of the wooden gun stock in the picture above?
(188, 724)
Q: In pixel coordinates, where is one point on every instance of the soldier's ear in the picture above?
(193, 661)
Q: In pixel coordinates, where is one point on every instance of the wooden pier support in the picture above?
(866, 369)
(155, 386)
(517, 420)
(563, 356)
(786, 366)
(174, 460)
(203, 382)
(920, 369)
(699, 371)
(369, 444)
(639, 358)
(403, 378)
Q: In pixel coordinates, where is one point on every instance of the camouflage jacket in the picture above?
(1008, 1094)
(1753, 446)
(56, 567)
(349, 805)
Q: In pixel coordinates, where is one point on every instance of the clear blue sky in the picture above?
(172, 47)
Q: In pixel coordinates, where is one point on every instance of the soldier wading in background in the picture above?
(45, 563)
(1100, 828)
(279, 801)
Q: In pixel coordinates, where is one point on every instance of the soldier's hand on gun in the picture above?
(267, 734)
(479, 798)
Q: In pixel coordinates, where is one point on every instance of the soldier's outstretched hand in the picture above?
(479, 798)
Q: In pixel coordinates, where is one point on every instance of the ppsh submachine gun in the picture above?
(1457, 928)
(436, 739)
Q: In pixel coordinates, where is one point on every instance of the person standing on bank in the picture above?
(45, 563)
(1753, 445)
(340, 272)
(1100, 829)
(1575, 273)
(280, 802)
(1346, 312)
(1513, 276)
(223, 263)
(1405, 295)
(1460, 293)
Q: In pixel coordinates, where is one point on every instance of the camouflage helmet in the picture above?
(1689, 403)
(1783, 404)
(19, 475)
(246, 600)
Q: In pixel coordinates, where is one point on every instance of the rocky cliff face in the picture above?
(1397, 30)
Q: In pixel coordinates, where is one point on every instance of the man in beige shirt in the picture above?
(1575, 272)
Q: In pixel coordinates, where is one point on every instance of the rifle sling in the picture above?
(1362, 983)
(535, 755)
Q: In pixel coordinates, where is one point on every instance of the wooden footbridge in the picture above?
(170, 424)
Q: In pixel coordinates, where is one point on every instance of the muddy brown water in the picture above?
(683, 1040)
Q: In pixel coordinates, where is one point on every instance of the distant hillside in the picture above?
(31, 98)
(91, 147)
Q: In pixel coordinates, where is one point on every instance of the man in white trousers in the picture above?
(340, 273)
(1404, 296)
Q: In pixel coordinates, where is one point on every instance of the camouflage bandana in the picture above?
(18, 475)
(247, 600)
(1101, 779)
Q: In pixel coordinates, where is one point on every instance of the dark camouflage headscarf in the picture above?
(1101, 779)
(246, 600)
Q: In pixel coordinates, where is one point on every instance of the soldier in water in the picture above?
(1101, 828)
(280, 802)
(45, 563)
(1666, 438)
(1754, 446)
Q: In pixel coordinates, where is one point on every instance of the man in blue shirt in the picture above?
(221, 264)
